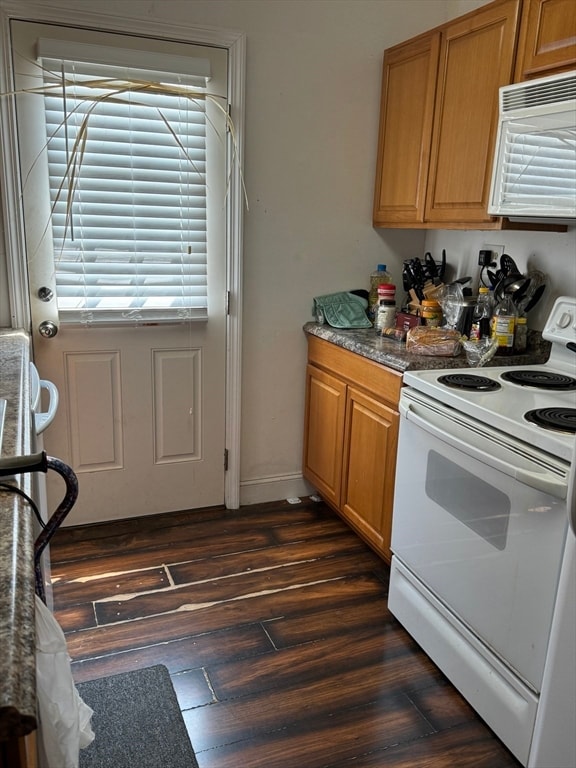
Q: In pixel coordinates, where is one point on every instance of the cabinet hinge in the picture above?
(225, 459)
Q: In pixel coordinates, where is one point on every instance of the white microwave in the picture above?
(534, 171)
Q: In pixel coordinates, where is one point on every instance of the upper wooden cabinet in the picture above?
(406, 118)
(439, 113)
(547, 42)
(476, 58)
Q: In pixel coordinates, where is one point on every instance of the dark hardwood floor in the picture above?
(273, 623)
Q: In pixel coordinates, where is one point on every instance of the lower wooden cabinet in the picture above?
(19, 752)
(350, 437)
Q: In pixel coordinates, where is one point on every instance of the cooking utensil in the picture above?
(442, 270)
(431, 268)
(508, 265)
(514, 285)
(533, 292)
(535, 298)
(406, 278)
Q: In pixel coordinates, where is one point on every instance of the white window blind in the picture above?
(128, 188)
(539, 165)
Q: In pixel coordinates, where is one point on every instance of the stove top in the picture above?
(535, 404)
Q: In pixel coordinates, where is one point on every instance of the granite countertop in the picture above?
(17, 622)
(365, 342)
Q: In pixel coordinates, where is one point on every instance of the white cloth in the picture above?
(64, 719)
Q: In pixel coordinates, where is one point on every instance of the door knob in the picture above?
(47, 329)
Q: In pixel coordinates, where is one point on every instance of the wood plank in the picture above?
(179, 655)
(159, 629)
(316, 741)
(76, 617)
(470, 745)
(318, 696)
(103, 585)
(295, 630)
(190, 524)
(266, 557)
(192, 689)
(331, 658)
(221, 590)
(145, 553)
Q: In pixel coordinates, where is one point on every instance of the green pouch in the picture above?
(341, 310)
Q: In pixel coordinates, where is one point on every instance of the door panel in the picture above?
(370, 450)
(466, 114)
(141, 418)
(142, 412)
(323, 432)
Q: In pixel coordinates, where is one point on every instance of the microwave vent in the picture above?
(552, 91)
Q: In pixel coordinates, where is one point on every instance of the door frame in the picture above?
(235, 43)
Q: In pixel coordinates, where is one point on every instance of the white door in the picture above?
(142, 415)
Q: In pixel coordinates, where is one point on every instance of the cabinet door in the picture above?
(324, 432)
(406, 112)
(547, 41)
(370, 443)
(476, 58)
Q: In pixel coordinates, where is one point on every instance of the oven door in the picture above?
(481, 521)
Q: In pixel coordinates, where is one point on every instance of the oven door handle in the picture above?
(43, 419)
(544, 481)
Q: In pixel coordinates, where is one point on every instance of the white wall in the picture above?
(312, 99)
(550, 252)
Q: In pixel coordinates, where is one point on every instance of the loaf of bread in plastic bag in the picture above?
(423, 340)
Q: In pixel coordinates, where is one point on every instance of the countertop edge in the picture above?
(17, 601)
(366, 343)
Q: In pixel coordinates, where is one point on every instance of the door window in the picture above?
(129, 144)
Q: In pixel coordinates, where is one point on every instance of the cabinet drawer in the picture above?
(352, 368)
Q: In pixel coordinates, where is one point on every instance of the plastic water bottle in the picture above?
(379, 277)
(504, 325)
(482, 315)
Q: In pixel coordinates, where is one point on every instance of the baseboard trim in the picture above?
(274, 487)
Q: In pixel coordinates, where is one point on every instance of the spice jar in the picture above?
(431, 313)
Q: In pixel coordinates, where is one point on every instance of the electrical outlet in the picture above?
(497, 251)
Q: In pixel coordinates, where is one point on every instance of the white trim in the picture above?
(264, 489)
(235, 235)
(235, 42)
(10, 188)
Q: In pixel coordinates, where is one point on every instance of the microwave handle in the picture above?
(545, 482)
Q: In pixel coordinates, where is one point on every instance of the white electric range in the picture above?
(480, 524)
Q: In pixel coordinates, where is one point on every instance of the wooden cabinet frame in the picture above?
(350, 438)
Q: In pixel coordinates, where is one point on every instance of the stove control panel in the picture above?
(560, 327)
